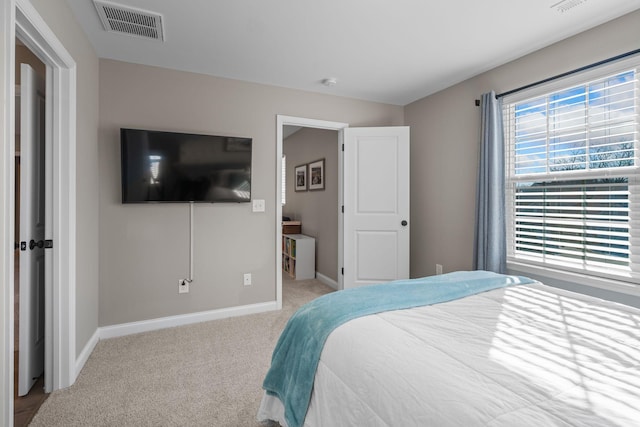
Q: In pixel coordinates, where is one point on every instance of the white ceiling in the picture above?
(391, 51)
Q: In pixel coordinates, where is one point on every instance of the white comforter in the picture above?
(527, 355)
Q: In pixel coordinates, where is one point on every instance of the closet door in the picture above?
(32, 229)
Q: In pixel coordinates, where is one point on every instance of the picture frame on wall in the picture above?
(301, 178)
(316, 175)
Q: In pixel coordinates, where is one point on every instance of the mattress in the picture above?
(519, 356)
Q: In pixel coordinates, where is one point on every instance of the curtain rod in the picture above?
(568, 73)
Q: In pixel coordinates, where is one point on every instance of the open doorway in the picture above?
(373, 198)
(310, 156)
(60, 334)
(314, 130)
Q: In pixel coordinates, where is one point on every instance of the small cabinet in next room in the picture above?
(299, 256)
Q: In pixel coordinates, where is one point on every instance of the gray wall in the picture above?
(144, 248)
(318, 210)
(445, 137)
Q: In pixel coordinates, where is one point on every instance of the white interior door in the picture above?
(32, 229)
(376, 205)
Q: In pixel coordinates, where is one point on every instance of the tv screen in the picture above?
(180, 167)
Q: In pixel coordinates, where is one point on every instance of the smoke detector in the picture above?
(127, 20)
(565, 5)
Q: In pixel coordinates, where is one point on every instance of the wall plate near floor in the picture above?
(183, 286)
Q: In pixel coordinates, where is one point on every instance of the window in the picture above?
(573, 200)
(154, 169)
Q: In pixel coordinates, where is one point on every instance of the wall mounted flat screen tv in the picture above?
(179, 167)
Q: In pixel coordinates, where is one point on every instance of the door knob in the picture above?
(33, 244)
(404, 223)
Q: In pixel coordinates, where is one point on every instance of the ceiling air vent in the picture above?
(127, 20)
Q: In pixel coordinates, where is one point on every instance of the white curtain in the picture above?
(490, 239)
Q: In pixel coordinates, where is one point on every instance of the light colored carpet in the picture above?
(207, 374)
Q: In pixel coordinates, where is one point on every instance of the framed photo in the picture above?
(301, 178)
(316, 175)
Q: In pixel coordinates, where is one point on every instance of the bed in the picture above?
(516, 355)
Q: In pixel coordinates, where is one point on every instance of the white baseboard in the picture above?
(86, 352)
(327, 281)
(123, 329)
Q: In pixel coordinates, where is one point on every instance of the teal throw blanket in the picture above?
(296, 356)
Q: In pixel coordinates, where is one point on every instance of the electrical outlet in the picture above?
(438, 268)
(247, 279)
(183, 286)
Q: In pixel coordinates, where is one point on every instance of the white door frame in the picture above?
(23, 21)
(282, 121)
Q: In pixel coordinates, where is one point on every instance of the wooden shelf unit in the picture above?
(299, 256)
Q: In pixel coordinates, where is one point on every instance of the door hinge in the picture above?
(342, 271)
(342, 147)
(342, 208)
